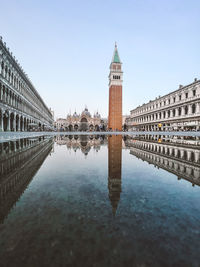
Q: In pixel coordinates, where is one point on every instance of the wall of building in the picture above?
(21, 107)
(178, 110)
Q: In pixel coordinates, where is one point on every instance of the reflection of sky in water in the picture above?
(65, 215)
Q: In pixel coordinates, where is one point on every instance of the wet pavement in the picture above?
(100, 200)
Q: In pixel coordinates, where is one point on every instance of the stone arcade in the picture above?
(21, 107)
(178, 110)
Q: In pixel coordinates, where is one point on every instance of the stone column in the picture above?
(190, 109)
(14, 122)
(1, 122)
(18, 124)
(22, 124)
(182, 111)
(196, 156)
(188, 155)
(176, 113)
(182, 153)
(198, 108)
(8, 121)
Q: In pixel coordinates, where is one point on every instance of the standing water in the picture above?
(100, 201)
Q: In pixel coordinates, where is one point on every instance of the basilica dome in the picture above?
(97, 115)
(75, 115)
(86, 113)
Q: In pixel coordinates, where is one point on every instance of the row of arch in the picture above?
(10, 98)
(11, 121)
(171, 100)
(181, 169)
(183, 153)
(34, 106)
(11, 77)
(176, 112)
(79, 127)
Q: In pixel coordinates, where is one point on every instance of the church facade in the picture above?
(81, 122)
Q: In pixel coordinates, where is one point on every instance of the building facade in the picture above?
(175, 155)
(19, 162)
(115, 93)
(21, 107)
(178, 110)
(81, 122)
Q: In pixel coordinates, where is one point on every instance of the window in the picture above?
(169, 101)
(164, 114)
(186, 95)
(116, 77)
(194, 92)
(174, 99)
(179, 97)
(193, 108)
(186, 110)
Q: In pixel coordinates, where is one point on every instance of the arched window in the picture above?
(186, 110)
(164, 114)
(193, 108)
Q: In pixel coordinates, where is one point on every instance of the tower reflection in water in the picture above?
(19, 162)
(85, 143)
(114, 170)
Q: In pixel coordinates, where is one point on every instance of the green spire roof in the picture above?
(116, 58)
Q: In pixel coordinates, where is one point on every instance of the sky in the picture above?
(66, 47)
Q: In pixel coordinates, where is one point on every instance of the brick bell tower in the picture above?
(115, 93)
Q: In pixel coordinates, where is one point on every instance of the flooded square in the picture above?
(100, 200)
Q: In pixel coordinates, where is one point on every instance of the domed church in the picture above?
(81, 122)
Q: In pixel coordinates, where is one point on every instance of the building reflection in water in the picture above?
(19, 162)
(84, 143)
(114, 170)
(178, 155)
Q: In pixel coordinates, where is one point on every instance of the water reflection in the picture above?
(114, 170)
(65, 218)
(19, 161)
(83, 142)
(180, 156)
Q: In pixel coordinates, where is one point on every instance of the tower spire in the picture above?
(116, 58)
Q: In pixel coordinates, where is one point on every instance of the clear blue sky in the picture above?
(66, 47)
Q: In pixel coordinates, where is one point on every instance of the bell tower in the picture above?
(115, 93)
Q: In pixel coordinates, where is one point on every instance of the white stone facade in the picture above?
(178, 110)
(21, 107)
(81, 122)
(178, 156)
